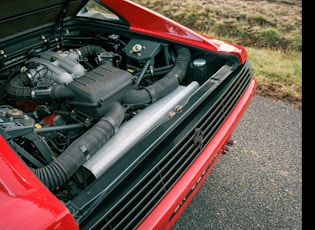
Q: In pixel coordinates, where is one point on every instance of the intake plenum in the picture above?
(74, 68)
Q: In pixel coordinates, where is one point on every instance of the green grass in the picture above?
(278, 74)
(270, 30)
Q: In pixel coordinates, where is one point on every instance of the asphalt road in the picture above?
(258, 184)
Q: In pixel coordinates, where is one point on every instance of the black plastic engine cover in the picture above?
(94, 91)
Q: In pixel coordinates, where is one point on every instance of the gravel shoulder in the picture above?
(258, 184)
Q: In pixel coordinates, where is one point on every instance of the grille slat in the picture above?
(155, 192)
(155, 174)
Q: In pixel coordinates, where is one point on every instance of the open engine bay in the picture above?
(71, 112)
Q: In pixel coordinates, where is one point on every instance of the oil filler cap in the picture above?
(199, 63)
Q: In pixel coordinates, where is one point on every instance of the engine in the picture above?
(63, 111)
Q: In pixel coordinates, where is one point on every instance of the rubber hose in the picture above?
(90, 50)
(163, 86)
(62, 168)
(17, 88)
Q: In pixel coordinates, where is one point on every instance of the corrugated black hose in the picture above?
(62, 168)
(17, 89)
(165, 85)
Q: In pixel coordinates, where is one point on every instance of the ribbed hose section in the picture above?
(52, 175)
(61, 169)
(17, 88)
(90, 50)
(165, 85)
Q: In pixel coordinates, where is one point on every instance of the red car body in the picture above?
(26, 203)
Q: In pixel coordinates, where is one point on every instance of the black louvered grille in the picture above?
(158, 172)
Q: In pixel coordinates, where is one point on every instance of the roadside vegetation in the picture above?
(270, 30)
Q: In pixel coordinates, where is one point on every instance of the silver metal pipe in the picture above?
(132, 131)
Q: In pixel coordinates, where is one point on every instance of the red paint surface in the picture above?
(152, 23)
(25, 201)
